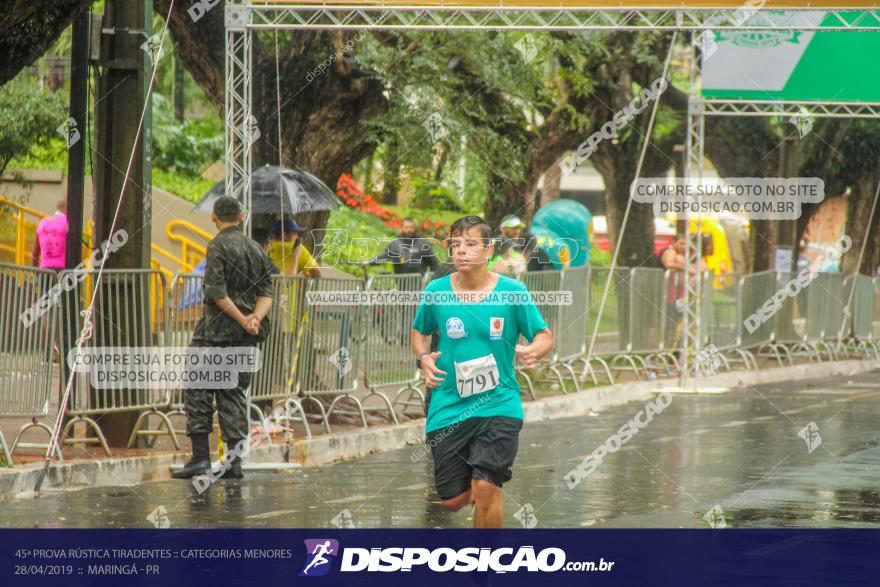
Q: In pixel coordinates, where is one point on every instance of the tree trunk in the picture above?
(29, 27)
(617, 163)
(392, 173)
(179, 96)
(368, 173)
(441, 162)
(618, 170)
(504, 198)
(323, 118)
(763, 242)
(552, 183)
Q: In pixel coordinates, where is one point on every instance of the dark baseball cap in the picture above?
(227, 206)
(286, 227)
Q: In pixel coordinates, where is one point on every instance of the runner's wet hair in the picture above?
(464, 224)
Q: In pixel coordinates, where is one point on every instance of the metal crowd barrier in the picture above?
(572, 335)
(648, 316)
(764, 336)
(826, 302)
(317, 351)
(129, 311)
(875, 317)
(611, 335)
(276, 380)
(331, 351)
(859, 292)
(641, 325)
(27, 335)
(183, 311)
(800, 325)
(545, 281)
(673, 330)
(388, 357)
(725, 318)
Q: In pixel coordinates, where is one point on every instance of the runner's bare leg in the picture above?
(489, 510)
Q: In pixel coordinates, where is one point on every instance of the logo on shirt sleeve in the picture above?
(496, 328)
(455, 328)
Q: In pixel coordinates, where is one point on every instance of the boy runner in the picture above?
(475, 413)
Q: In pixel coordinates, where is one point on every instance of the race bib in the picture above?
(476, 376)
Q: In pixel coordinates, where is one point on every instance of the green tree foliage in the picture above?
(188, 146)
(29, 116)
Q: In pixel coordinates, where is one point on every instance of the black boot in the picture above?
(234, 470)
(200, 463)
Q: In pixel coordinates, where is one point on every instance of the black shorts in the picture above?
(476, 448)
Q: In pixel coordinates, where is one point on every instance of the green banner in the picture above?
(826, 66)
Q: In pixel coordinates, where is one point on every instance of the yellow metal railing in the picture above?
(25, 220)
(156, 295)
(191, 252)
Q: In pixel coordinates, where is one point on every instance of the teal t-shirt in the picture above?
(469, 331)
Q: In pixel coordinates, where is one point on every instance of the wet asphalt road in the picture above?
(738, 455)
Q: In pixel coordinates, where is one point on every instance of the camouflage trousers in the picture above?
(231, 410)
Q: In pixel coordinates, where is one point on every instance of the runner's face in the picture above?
(469, 251)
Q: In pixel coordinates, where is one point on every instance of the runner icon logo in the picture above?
(455, 328)
(526, 516)
(320, 554)
(810, 434)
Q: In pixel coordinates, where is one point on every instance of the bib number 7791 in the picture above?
(476, 376)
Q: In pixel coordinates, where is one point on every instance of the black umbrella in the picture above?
(276, 189)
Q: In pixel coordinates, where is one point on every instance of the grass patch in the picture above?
(189, 188)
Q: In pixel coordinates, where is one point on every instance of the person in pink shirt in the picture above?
(50, 245)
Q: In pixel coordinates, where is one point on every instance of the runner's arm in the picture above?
(540, 346)
(421, 345)
(543, 343)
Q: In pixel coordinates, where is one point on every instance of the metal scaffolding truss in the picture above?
(243, 18)
(698, 109)
(691, 341)
(239, 119)
(326, 16)
(718, 107)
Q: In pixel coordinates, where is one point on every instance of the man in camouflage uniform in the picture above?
(237, 298)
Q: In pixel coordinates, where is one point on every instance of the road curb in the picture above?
(332, 448)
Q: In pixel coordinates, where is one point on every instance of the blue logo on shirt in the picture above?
(455, 328)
